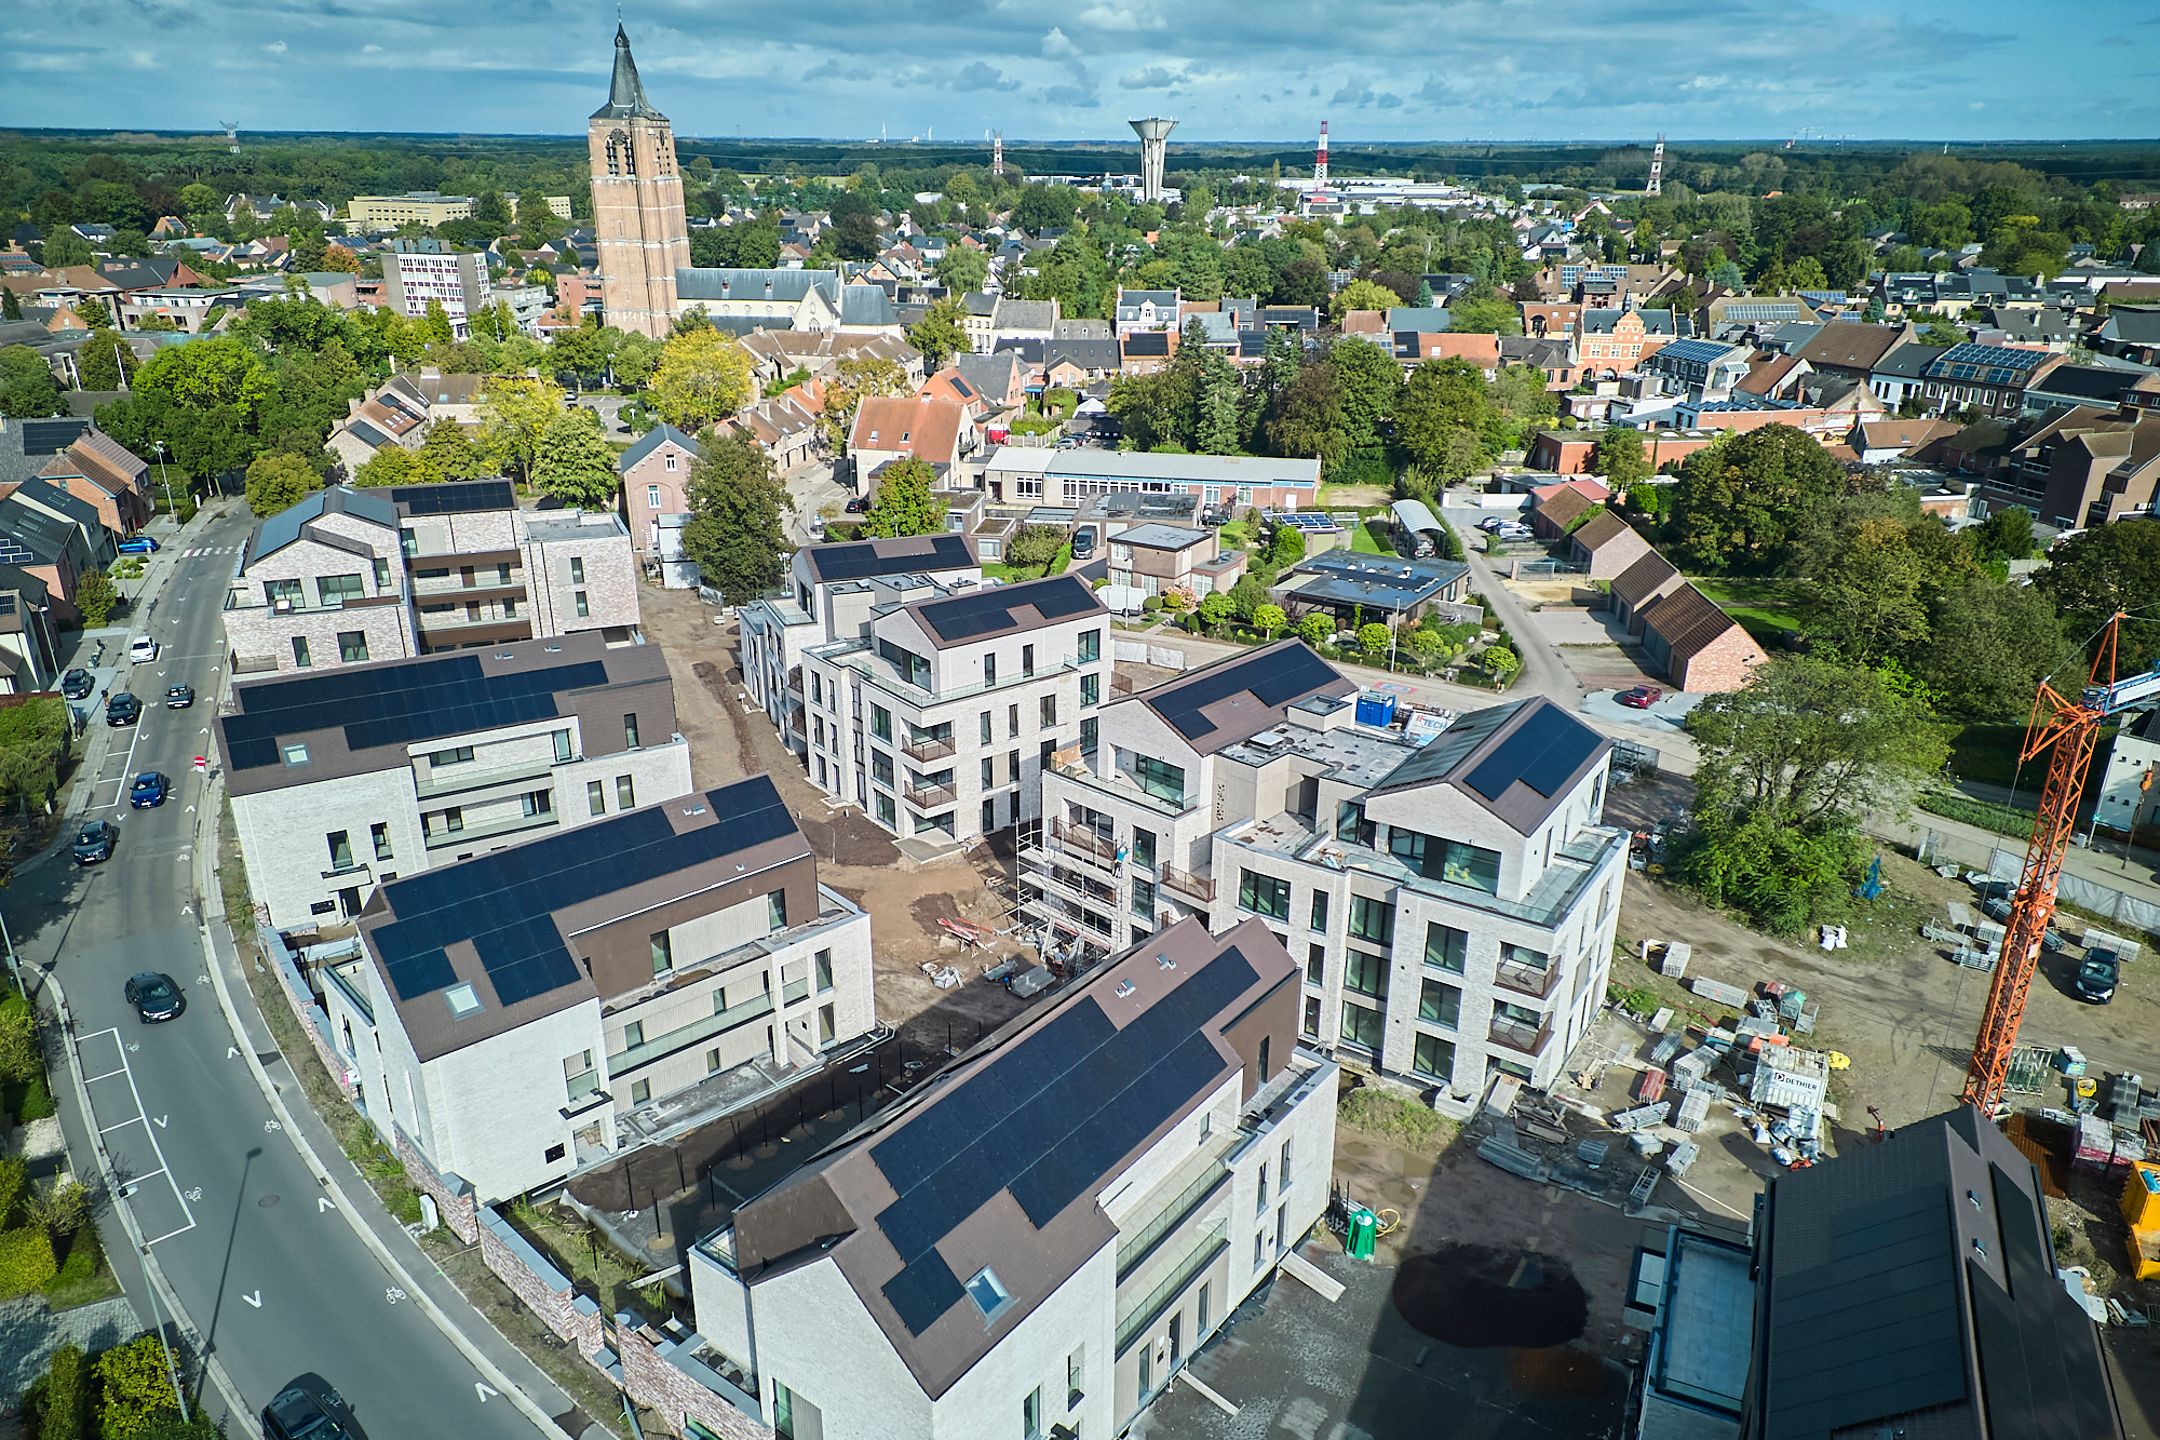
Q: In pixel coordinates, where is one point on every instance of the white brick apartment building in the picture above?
(1034, 1242)
(343, 781)
(1453, 906)
(350, 575)
(507, 1010)
(418, 272)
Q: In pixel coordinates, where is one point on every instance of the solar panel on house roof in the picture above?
(1311, 522)
(1274, 679)
(1542, 753)
(50, 437)
(1047, 1120)
(461, 498)
(860, 560)
(987, 611)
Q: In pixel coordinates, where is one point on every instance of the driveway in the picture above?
(812, 487)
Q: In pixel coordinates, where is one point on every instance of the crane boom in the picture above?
(2067, 730)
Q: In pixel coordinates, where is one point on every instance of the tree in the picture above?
(1871, 604)
(20, 1062)
(2105, 569)
(1316, 628)
(1743, 503)
(1368, 381)
(1221, 418)
(1308, 417)
(27, 1263)
(1045, 207)
(1501, 663)
(135, 1388)
(1618, 456)
(904, 505)
(1487, 314)
(1034, 547)
(1783, 877)
(573, 463)
(1215, 608)
(855, 380)
(939, 334)
(10, 307)
(28, 390)
(1376, 640)
(2006, 534)
(447, 453)
(1361, 295)
(1426, 644)
(962, 268)
(735, 534)
(1988, 647)
(391, 465)
(703, 377)
(278, 482)
(855, 236)
(1443, 418)
(1269, 618)
(93, 314)
(34, 739)
(103, 361)
(95, 596)
(513, 412)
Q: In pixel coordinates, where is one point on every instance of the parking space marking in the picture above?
(164, 1166)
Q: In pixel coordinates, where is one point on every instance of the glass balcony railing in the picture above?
(1136, 1320)
(684, 1036)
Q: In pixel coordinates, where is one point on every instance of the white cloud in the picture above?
(371, 48)
(275, 47)
(1119, 16)
(1057, 45)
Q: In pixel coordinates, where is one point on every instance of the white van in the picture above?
(142, 649)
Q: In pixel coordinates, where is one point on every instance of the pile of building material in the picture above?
(1798, 1083)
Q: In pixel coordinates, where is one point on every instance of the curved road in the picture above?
(276, 1284)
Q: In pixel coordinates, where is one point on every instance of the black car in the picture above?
(294, 1414)
(180, 697)
(155, 996)
(2098, 976)
(77, 684)
(95, 844)
(122, 709)
(858, 504)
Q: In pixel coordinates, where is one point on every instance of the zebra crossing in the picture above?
(210, 550)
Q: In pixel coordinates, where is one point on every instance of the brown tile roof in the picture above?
(1562, 507)
(1845, 345)
(1688, 620)
(1601, 530)
(1480, 350)
(1767, 372)
(925, 427)
(1643, 579)
(1906, 435)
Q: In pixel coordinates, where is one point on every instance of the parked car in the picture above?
(297, 1413)
(139, 545)
(2098, 976)
(180, 697)
(95, 844)
(122, 708)
(142, 649)
(1491, 524)
(858, 505)
(1640, 697)
(155, 996)
(1083, 544)
(149, 791)
(77, 684)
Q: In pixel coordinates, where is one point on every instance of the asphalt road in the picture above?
(278, 1285)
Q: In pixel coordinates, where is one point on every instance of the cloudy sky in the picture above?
(1227, 69)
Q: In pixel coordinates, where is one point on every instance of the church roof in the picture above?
(626, 93)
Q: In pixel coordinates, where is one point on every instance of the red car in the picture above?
(1642, 697)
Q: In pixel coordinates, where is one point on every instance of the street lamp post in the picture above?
(14, 966)
(164, 475)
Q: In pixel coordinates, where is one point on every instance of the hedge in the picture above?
(1986, 814)
(27, 1263)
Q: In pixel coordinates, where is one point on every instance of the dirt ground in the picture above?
(730, 740)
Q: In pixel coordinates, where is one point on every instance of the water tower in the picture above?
(1154, 133)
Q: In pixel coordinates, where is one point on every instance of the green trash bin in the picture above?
(1359, 1237)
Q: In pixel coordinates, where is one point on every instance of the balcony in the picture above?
(684, 1036)
(930, 748)
(1122, 786)
(1192, 1187)
(1198, 887)
(1083, 844)
(462, 632)
(930, 797)
(490, 830)
(479, 591)
(1078, 887)
(1141, 1316)
(1518, 1036)
(1527, 980)
(1071, 917)
(238, 599)
(860, 657)
(450, 779)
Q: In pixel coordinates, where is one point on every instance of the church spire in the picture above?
(626, 93)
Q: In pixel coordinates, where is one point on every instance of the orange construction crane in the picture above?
(2070, 728)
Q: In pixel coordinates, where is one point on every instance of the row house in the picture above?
(777, 354)
(29, 634)
(74, 456)
(2083, 467)
(1036, 1240)
(924, 427)
(405, 765)
(1688, 638)
(1611, 342)
(350, 575)
(655, 473)
(1991, 379)
(506, 1014)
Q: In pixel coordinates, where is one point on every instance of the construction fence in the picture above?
(2117, 907)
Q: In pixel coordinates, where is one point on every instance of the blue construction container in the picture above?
(1376, 709)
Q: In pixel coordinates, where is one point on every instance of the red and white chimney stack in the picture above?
(1319, 169)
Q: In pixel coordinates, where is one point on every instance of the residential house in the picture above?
(98, 470)
(778, 354)
(1901, 375)
(1157, 558)
(2067, 386)
(1009, 1249)
(739, 301)
(1606, 544)
(950, 384)
(2130, 332)
(655, 474)
(917, 427)
(405, 765)
(1554, 357)
(1481, 352)
(1612, 342)
(1354, 588)
(508, 1012)
(1552, 320)
(1702, 368)
(1560, 509)
(939, 715)
(1146, 352)
(1146, 310)
(2083, 467)
(829, 589)
(352, 575)
(1729, 312)
(29, 633)
(1842, 347)
(788, 426)
(1694, 644)
(1634, 589)
(1877, 442)
(1991, 379)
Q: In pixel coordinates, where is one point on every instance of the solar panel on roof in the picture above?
(462, 497)
(1542, 752)
(1274, 678)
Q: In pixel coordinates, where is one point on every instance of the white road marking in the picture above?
(131, 1120)
(483, 1391)
(322, 1203)
(231, 1051)
(254, 1299)
(160, 1122)
(141, 1113)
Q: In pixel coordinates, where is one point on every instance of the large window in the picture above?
(1263, 894)
(1434, 1058)
(1449, 860)
(1090, 689)
(913, 668)
(663, 952)
(1143, 848)
(1446, 948)
(337, 590)
(1143, 899)
(1365, 974)
(1319, 909)
(1439, 1004)
(1090, 646)
(1361, 1025)
(881, 767)
(881, 722)
(352, 646)
(1160, 779)
(775, 911)
(1372, 920)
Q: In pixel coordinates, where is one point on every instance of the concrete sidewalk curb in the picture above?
(213, 909)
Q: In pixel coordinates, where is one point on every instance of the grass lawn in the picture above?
(1764, 608)
(1011, 574)
(1365, 542)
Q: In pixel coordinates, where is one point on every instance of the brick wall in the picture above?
(313, 1022)
(673, 1393)
(1723, 664)
(543, 1289)
(453, 1197)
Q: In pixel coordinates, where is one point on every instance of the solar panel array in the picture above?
(1542, 753)
(50, 437)
(989, 610)
(397, 704)
(1047, 1120)
(464, 497)
(1274, 677)
(14, 552)
(1698, 352)
(505, 902)
(1311, 522)
(860, 560)
(1984, 364)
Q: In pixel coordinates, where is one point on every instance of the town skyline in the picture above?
(1229, 74)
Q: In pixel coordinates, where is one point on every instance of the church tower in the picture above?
(637, 203)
